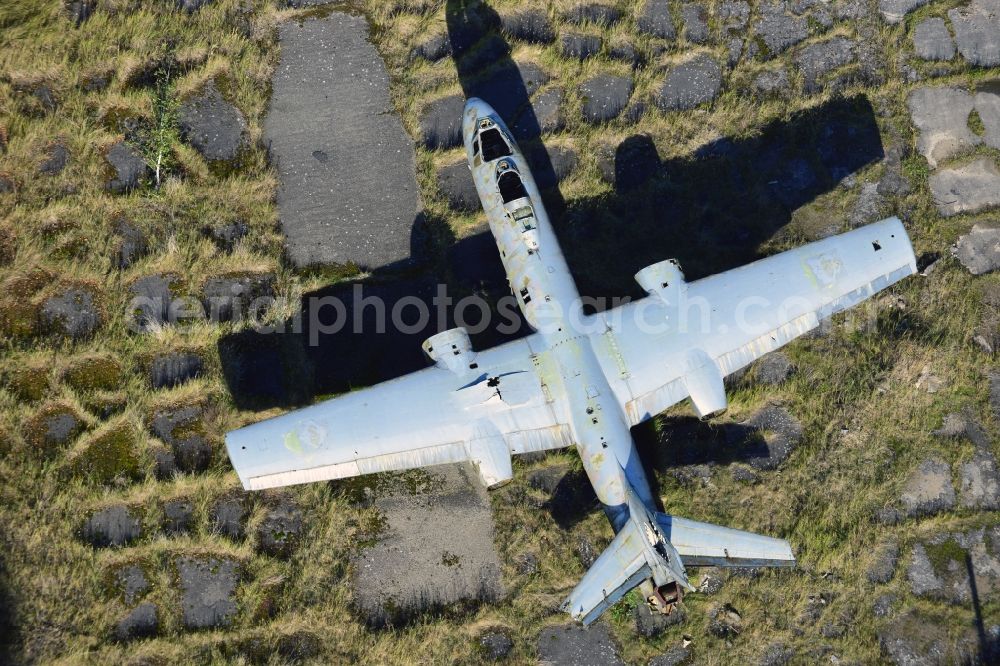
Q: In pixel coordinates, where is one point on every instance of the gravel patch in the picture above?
(213, 126)
(690, 84)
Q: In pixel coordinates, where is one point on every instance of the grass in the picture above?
(866, 424)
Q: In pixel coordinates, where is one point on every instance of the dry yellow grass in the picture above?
(865, 422)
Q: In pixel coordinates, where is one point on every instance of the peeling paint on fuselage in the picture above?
(570, 367)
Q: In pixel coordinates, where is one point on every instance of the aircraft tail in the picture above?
(622, 566)
(705, 544)
(652, 549)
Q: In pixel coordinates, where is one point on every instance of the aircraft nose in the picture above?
(477, 108)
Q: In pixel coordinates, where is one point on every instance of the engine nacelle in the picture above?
(451, 349)
(704, 384)
(663, 280)
(491, 457)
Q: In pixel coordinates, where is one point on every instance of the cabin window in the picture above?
(525, 296)
(494, 145)
(511, 187)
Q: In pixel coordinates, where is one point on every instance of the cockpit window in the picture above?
(494, 145)
(475, 146)
(511, 187)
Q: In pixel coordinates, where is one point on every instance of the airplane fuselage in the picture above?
(541, 282)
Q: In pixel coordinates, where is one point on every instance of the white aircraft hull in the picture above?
(581, 380)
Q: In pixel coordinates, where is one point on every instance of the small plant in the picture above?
(157, 140)
(622, 610)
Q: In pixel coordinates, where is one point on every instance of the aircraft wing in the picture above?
(429, 417)
(736, 317)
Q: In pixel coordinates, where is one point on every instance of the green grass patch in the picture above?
(945, 552)
(976, 125)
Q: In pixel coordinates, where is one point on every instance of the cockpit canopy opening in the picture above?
(493, 144)
(511, 187)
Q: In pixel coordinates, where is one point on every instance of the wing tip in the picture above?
(234, 450)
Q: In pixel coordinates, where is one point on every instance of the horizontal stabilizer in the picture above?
(705, 544)
(620, 567)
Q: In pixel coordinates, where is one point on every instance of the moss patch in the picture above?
(95, 373)
(371, 524)
(29, 383)
(943, 553)
(52, 426)
(28, 283)
(115, 579)
(19, 319)
(120, 120)
(362, 489)
(19, 314)
(8, 246)
(331, 272)
(107, 456)
(71, 247)
(6, 442)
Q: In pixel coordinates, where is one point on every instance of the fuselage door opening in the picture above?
(524, 220)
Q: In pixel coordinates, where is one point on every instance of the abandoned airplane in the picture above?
(581, 381)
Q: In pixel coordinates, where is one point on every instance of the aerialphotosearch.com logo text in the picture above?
(363, 313)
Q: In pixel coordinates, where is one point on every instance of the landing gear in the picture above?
(663, 599)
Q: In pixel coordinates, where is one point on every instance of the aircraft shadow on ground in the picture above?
(710, 210)
(987, 642)
(687, 440)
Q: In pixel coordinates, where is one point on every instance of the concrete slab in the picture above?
(348, 183)
(576, 645)
(436, 549)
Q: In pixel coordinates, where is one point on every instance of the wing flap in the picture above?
(423, 457)
(704, 544)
